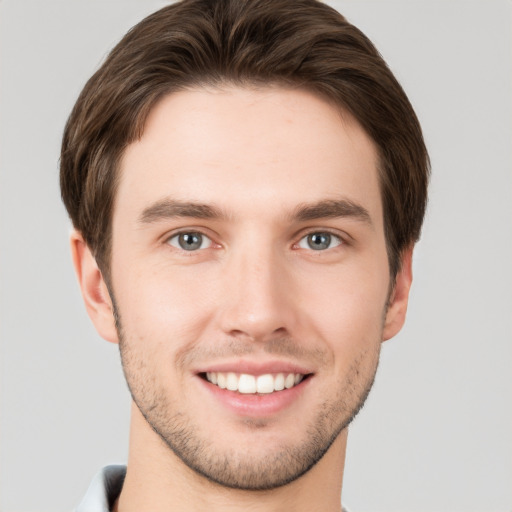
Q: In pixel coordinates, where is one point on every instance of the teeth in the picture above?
(265, 384)
(279, 382)
(247, 384)
(250, 384)
(221, 380)
(289, 381)
(232, 382)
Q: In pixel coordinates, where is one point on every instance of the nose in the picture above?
(258, 300)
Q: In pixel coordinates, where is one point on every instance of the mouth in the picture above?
(256, 389)
(248, 384)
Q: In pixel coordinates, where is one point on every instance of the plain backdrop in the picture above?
(436, 433)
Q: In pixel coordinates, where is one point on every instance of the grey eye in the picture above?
(191, 241)
(319, 241)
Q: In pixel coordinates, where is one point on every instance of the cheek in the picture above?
(164, 305)
(346, 308)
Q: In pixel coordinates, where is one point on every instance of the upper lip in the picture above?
(255, 367)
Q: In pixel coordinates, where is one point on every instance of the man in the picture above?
(246, 180)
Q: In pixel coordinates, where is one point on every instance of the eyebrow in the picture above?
(171, 208)
(331, 208)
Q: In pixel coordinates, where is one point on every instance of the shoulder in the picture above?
(103, 490)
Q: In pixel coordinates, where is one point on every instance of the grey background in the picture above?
(436, 434)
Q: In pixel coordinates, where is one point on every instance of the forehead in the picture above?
(242, 148)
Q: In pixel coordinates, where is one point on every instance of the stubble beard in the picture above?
(234, 468)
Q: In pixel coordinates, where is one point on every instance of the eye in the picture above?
(319, 241)
(190, 241)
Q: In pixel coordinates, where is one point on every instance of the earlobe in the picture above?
(94, 289)
(397, 307)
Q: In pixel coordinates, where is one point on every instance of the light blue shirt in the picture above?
(103, 490)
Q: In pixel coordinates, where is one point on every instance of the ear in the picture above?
(397, 307)
(94, 290)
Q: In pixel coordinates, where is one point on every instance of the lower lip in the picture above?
(254, 405)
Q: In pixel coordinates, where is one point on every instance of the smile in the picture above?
(251, 384)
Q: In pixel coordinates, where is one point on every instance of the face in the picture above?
(250, 278)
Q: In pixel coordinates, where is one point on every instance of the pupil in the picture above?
(319, 241)
(190, 241)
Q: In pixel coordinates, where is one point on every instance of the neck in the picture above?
(159, 481)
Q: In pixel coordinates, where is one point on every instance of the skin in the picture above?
(254, 292)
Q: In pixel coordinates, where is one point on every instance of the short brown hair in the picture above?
(192, 43)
